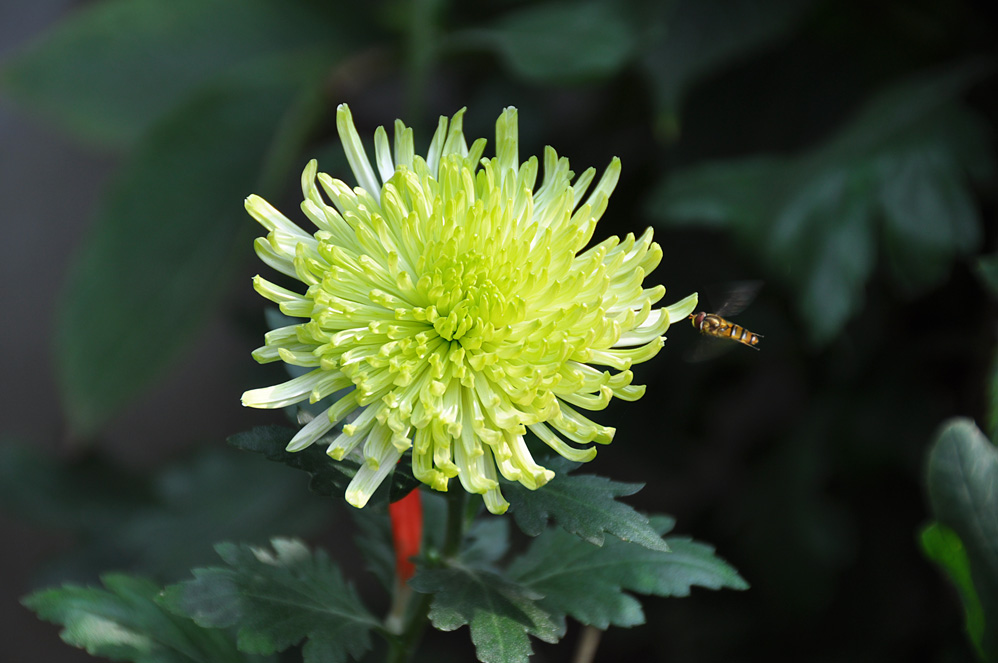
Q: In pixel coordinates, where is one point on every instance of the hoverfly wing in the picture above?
(737, 296)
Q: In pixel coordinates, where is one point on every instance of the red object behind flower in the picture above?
(407, 532)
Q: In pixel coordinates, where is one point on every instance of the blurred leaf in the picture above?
(329, 477)
(165, 242)
(557, 41)
(88, 492)
(435, 507)
(162, 530)
(499, 613)
(812, 219)
(986, 268)
(112, 70)
(824, 238)
(963, 490)
(583, 504)
(374, 541)
(588, 582)
(694, 38)
(930, 215)
(403, 481)
(718, 194)
(817, 533)
(216, 497)
(991, 412)
(124, 623)
(277, 600)
(944, 547)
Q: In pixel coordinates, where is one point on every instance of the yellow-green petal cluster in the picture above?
(452, 306)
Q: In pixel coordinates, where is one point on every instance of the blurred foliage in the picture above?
(556, 42)
(199, 100)
(841, 151)
(814, 217)
(157, 524)
(127, 64)
(687, 40)
(944, 547)
(124, 622)
(963, 491)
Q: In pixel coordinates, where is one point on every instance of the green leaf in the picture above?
(583, 504)
(694, 38)
(487, 541)
(329, 477)
(557, 41)
(158, 524)
(500, 614)
(589, 583)
(276, 600)
(962, 481)
(112, 70)
(124, 623)
(898, 172)
(944, 547)
(165, 242)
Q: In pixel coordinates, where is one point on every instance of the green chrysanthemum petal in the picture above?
(458, 305)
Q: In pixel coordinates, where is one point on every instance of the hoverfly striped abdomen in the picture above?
(711, 324)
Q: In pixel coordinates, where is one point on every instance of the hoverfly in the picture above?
(715, 326)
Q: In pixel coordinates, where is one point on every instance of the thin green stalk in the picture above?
(404, 646)
(421, 47)
(585, 651)
(457, 502)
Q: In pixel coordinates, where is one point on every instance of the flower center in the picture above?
(467, 304)
(457, 323)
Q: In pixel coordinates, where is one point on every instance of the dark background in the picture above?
(802, 463)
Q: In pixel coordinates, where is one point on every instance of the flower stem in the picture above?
(404, 646)
(585, 651)
(457, 502)
(421, 52)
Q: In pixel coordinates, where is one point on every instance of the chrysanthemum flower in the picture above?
(449, 298)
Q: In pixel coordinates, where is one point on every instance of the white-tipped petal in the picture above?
(271, 219)
(355, 152)
(380, 459)
(383, 154)
(323, 423)
(284, 394)
(683, 308)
